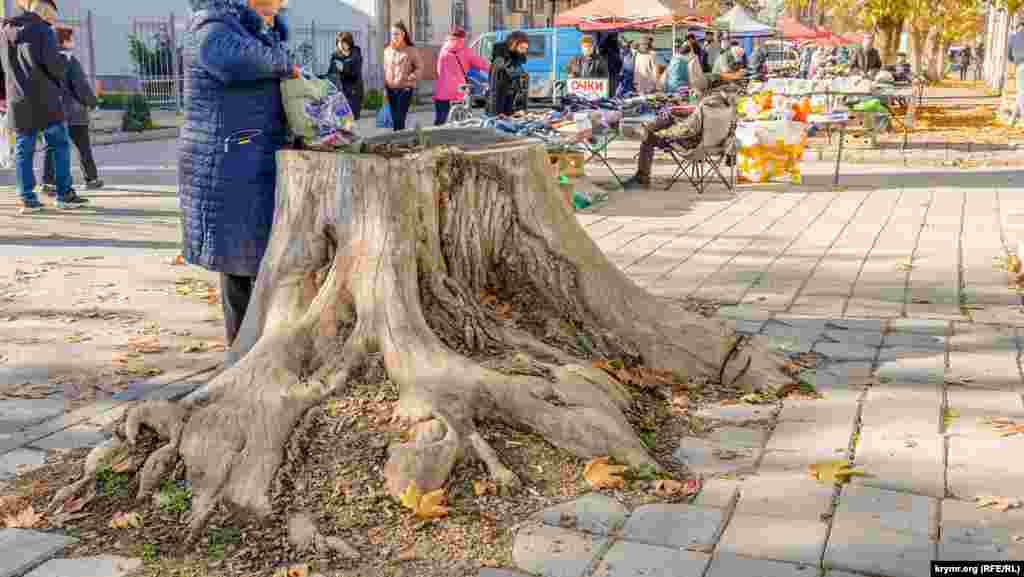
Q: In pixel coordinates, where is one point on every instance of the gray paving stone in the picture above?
(738, 437)
(846, 351)
(592, 513)
(9, 462)
(912, 370)
(749, 327)
(816, 326)
(984, 467)
(22, 550)
(790, 345)
(555, 552)
(489, 572)
(733, 566)
(80, 437)
(817, 441)
(679, 526)
(627, 559)
(774, 538)
(868, 507)
(863, 325)
(789, 495)
(18, 414)
(976, 407)
(904, 462)
(709, 458)
(108, 566)
(800, 333)
(879, 551)
(737, 413)
(919, 326)
(956, 551)
(743, 312)
(964, 522)
(717, 493)
(172, 392)
(915, 342)
(859, 337)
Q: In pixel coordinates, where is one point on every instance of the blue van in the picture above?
(551, 49)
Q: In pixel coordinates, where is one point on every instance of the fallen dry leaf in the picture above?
(298, 570)
(178, 261)
(481, 488)
(12, 504)
(667, 488)
(601, 474)
(431, 505)
(504, 311)
(126, 520)
(1001, 504)
(837, 471)
(407, 554)
(1006, 427)
(74, 505)
(905, 266)
(145, 345)
(27, 518)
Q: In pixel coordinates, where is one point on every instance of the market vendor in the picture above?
(645, 67)
(590, 64)
(711, 124)
(696, 48)
(868, 60)
(685, 72)
(727, 62)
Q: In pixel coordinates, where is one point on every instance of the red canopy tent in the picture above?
(853, 38)
(830, 40)
(629, 14)
(793, 29)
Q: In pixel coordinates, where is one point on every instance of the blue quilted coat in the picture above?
(234, 123)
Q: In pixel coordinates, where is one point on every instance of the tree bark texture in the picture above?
(466, 273)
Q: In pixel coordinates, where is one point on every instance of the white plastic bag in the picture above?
(6, 143)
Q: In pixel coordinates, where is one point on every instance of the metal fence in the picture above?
(157, 56)
(312, 46)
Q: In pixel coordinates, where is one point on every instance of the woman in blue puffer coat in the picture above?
(234, 60)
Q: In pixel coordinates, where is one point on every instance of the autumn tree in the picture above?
(461, 273)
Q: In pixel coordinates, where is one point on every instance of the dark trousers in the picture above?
(79, 134)
(399, 100)
(643, 167)
(354, 96)
(441, 110)
(235, 292)
(963, 71)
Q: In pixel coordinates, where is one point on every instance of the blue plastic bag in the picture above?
(384, 116)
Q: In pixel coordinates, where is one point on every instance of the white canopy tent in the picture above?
(739, 23)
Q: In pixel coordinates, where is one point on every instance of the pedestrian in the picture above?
(696, 48)
(868, 59)
(401, 71)
(346, 71)
(79, 100)
(609, 51)
(453, 66)
(234, 62)
(645, 67)
(677, 75)
(1017, 59)
(509, 83)
(589, 64)
(33, 74)
(712, 50)
(965, 63)
(626, 79)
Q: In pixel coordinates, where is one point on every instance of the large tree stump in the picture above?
(389, 255)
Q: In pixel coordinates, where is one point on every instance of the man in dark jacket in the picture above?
(79, 100)
(34, 74)
(589, 64)
(509, 83)
(613, 57)
(868, 60)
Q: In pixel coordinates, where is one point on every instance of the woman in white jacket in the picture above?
(645, 68)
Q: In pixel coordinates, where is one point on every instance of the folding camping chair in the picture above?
(717, 148)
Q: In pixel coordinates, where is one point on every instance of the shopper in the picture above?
(79, 100)
(33, 76)
(589, 64)
(509, 83)
(346, 71)
(645, 67)
(453, 67)
(965, 63)
(402, 69)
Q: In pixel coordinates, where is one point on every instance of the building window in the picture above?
(497, 14)
(421, 20)
(459, 17)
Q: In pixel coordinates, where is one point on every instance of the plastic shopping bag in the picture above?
(6, 144)
(333, 119)
(296, 93)
(384, 116)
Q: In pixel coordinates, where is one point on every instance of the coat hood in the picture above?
(453, 44)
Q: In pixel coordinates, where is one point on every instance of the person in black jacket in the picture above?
(79, 100)
(612, 54)
(589, 64)
(509, 83)
(33, 76)
(346, 71)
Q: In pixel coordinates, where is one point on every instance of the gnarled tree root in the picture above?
(372, 255)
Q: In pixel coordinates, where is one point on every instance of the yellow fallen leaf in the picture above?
(298, 570)
(481, 488)
(1013, 264)
(601, 474)
(837, 471)
(431, 505)
(184, 290)
(178, 261)
(905, 265)
(145, 345)
(126, 520)
(410, 498)
(667, 488)
(27, 518)
(1001, 504)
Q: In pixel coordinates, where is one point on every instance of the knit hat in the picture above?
(457, 32)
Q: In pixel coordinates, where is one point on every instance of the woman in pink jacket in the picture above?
(453, 66)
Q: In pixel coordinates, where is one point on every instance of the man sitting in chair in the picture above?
(710, 125)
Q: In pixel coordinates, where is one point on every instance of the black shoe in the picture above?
(635, 183)
(94, 184)
(71, 201)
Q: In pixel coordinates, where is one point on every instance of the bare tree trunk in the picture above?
(889, 34)
(391, 258)
(918, 48)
